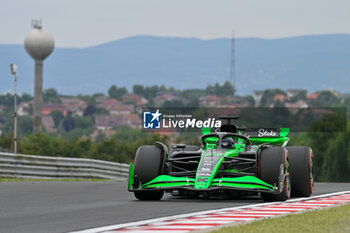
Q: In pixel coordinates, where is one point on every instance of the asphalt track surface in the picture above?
(36, 207)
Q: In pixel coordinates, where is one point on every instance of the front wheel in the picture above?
(274, 163)
(148, 163)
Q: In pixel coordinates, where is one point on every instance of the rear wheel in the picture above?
(272, 160)
(301, 159)
(148, 163)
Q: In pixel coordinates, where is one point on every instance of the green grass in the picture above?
(63, 179)
(336, 219)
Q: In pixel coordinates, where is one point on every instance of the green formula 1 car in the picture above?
(231, 160)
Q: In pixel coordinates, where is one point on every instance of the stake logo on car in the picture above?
(267, 133)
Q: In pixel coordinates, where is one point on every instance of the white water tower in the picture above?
(39, 43)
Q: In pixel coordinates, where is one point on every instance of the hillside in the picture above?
(312, 62)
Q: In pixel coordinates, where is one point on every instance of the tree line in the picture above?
(120, 147)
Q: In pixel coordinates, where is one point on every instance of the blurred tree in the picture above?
(26, 97)
(90, 110)
(335, 167)
(193, 94)
(51, 96)
(299, 96)
(57, 117)
(328, 141)
(83, 122)
(25, 125)
(6, 142)
(7, 100)
(250, 100)
(268, 96)
(326, 99)
(224, 90)
(278, 104)
(88, 98)
(139, 89)
(117, 92)
(149, 92)
(68, 122)
(346, 104)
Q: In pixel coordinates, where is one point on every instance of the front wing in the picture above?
(166, 182)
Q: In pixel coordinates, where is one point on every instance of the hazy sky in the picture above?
(81, 23)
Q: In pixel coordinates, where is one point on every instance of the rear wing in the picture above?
(267, 135)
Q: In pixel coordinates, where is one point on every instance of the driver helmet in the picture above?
(227, 143)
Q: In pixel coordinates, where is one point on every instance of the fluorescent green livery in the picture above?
(228, 161)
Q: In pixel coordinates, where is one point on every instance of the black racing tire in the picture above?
(147, 166)
(301, 161)
(270, 161)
